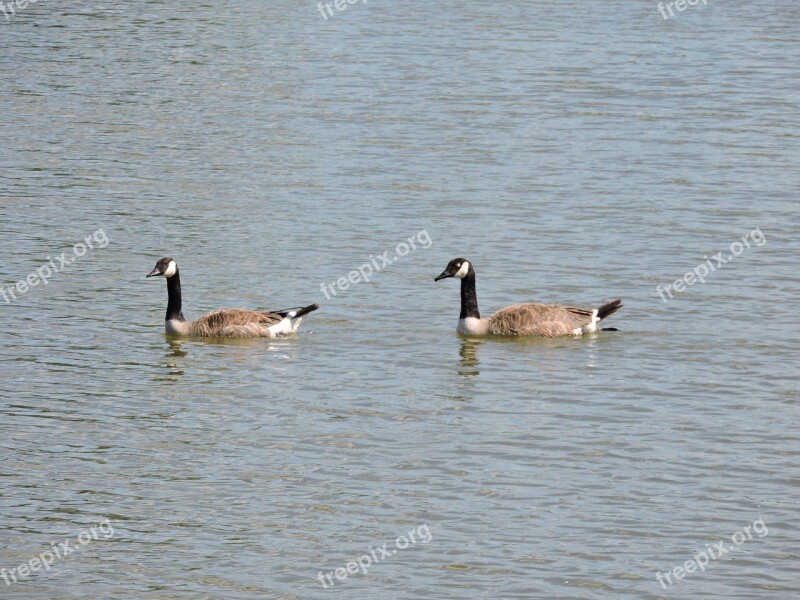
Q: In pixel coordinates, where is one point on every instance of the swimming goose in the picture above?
(540, 320)
(228, 322)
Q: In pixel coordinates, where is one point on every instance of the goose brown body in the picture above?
(227, 322)
(540, 320)
(526, 319)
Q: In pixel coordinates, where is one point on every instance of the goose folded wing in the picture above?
(526, 319)
(220, 320)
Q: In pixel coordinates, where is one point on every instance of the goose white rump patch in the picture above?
(592, 327)
(282, 328)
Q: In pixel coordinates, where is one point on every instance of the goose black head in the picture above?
(458, 268)
(165, 267)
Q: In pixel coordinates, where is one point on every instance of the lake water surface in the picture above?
(575, 152)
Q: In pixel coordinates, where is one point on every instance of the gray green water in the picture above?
(574, 152)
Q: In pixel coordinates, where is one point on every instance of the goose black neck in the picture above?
(174, 293)
(469, 297)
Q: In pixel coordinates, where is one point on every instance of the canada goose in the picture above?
(228, 322)
(541, 320)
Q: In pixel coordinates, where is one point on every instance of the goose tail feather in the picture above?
(297, 312)
(609, 308)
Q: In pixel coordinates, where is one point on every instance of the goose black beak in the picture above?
(444, 275)
(154, 272)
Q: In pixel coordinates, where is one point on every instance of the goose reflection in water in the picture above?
(469, 358)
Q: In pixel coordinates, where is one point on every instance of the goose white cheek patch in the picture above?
(462, 272)
(171, 269)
